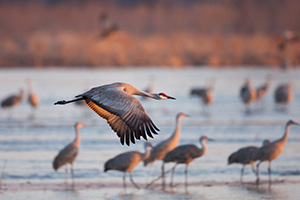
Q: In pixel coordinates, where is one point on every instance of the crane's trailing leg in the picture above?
(131, 179)
(66, 102)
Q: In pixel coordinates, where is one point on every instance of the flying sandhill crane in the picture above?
(127, 161)
(68, 154)
(32, 97)
(263, 89)
(243, 156)
(185, 154)
(283, 94)
(271, 151)
(248, 93)
(107, 26)
(13, 100)
(123, 112)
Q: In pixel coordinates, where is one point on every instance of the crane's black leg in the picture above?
(131, 179)
(186, 175)
(253, 169)
(257, 173)
(172, 175)
(72, 173)
(163, 175)
(66, 174)
(269, 170)
(124, 181)
(242, 173)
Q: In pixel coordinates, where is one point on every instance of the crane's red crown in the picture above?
(162, 94)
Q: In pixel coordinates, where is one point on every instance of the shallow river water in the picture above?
(31, 138)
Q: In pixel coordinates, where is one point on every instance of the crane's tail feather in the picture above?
(66, 102)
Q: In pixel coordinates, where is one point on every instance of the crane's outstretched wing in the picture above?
(123, 112)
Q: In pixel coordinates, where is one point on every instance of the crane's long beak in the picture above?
(169, 97)
(295, 123)
(209, 139)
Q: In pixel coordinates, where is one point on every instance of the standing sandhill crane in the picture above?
(68, 154)
(271, 151)
(13, 100)
(287, 36)
(263, 89)
(32, 97)
(283, 94)
(160, 150)
(204, 93)
(123, 112)
(243, 156)
(127, 161)
(107, 26)
(185, 154)
(248, 93)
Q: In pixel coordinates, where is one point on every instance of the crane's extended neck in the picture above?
(147, 153)
(176, 135)
(286, 133)
(203, 150)
(146, 94)
(77, 138)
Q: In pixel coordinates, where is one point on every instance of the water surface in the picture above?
(30, 139)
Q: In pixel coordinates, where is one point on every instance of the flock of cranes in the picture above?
(269, 151)
(249, 94)
(168, 151)
(128, 119)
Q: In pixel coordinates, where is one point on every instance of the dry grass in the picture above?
(34, 34)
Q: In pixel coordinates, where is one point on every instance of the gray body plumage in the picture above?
(283, 94)
(242, 155)
(12, 100)
(184, 154)
(126, 162)
(66, 156)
